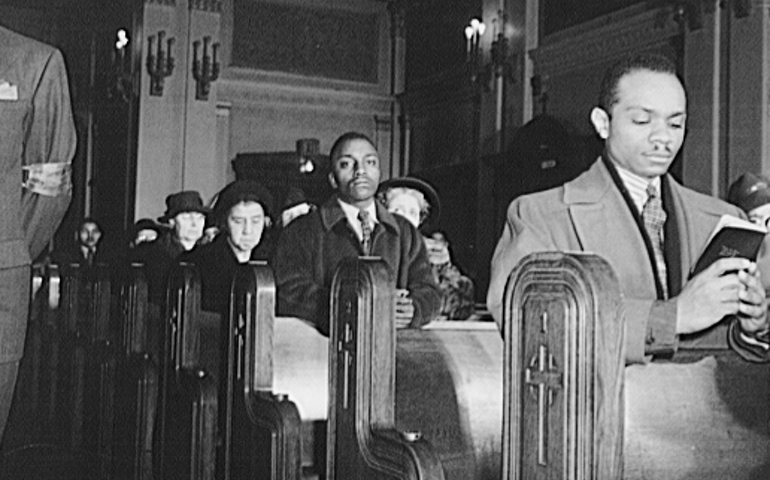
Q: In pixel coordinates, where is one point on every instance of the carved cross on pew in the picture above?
(347, 348)
(543, 376)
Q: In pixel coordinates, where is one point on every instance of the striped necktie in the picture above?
(654, 218)
(366, 231)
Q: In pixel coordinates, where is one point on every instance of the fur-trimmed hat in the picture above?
(185, 201)
(750, 191)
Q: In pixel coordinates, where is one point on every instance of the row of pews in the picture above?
(111, 387)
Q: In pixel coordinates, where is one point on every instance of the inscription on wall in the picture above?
(334, 44)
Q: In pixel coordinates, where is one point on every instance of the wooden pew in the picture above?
(574, 410)
(137, 380)
(185, 434)
(260, 430)
(69, 368)
(362, 439)
(449, 387)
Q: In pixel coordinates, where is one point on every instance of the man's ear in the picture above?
(332, 180)
(601, 120)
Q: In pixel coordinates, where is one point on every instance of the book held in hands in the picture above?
(732, 237)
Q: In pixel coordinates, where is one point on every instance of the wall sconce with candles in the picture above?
(123, 85)
(205, 70)
(501, 64)
(473, 51)
(160, 65)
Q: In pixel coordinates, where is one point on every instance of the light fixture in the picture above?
(307, 148)
(160, 64)
(473, 51)
(123, 85)
(206, 69)
(500, 64)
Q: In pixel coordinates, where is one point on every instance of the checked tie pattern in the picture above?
(366, 230)
(654, 217)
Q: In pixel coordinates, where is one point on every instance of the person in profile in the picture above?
(658, 227)
(37, 147)
(351, 224)
(243, 213)
(418, 202)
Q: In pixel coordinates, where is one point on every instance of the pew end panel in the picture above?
(564, 358)
(185, 436)
(362, 440)
(260, 430)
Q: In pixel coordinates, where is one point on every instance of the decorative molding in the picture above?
(397, 10)
(602, 41)
(214, 6)
(163, 3)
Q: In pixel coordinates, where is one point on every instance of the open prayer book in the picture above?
(732, 237)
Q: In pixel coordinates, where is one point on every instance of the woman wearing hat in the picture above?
(183, 221)
(242, 213)
(418, 202)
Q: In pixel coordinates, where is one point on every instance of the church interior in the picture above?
(485, 100)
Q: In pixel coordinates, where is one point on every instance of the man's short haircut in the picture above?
(608, 95)
(342, 141)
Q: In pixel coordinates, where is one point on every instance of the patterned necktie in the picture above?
(366, 230)
(654, 217)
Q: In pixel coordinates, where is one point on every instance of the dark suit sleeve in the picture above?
(298, 293)
(422, 286)
(49, 147)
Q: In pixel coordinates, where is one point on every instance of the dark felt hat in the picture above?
(185, 201)
(242, 191)
(295, 196)
(147, 224)
(434, 204)
(750, 191)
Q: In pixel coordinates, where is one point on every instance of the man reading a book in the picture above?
(652, 230)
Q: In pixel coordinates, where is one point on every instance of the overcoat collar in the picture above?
(604, 222)
(332, 214)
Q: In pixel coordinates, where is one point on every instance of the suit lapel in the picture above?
(695, 226)
(8, 53)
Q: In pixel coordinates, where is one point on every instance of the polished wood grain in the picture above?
(260, 430)
(362, 440)
(563, 369)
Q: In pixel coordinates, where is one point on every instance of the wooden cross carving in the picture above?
(346, 346)
(543, 376)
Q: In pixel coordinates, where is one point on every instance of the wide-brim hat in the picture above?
(750, 191)
(181, 202)
(242, 191)
(430, 194)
